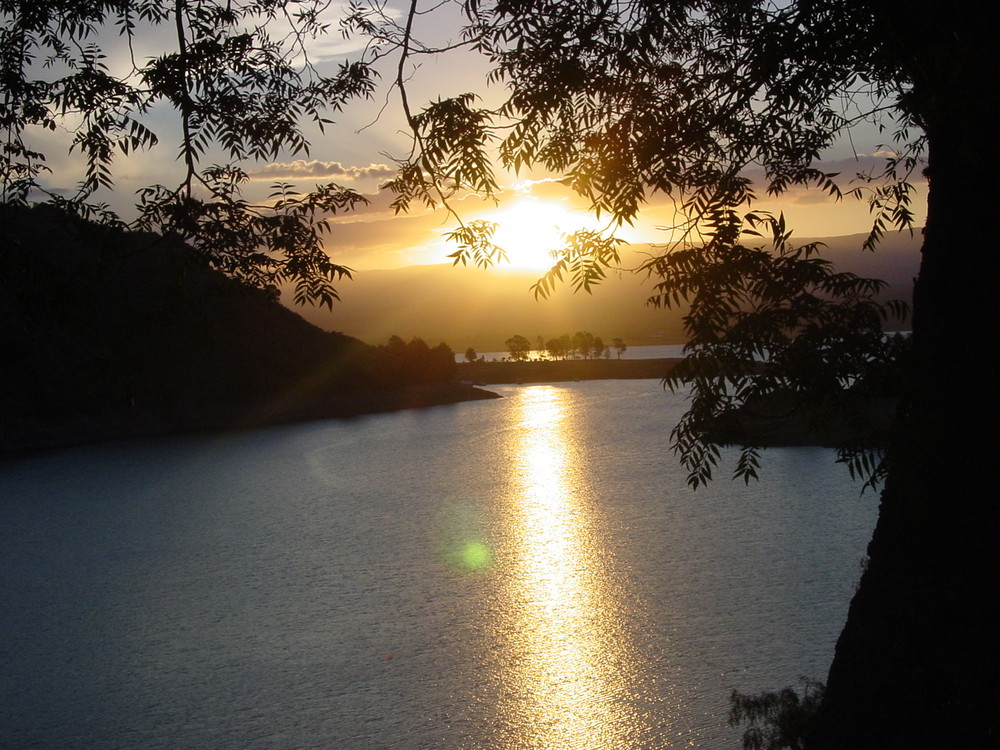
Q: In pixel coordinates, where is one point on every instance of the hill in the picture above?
(111, 334)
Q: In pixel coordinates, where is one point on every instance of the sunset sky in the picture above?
(532, 209)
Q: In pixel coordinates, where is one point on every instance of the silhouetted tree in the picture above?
(518, 347)
(776, 720)
(237, 91)
(566, 345)
(619, 345)
(470, 355)
(623, 99)
(400, 363)
(554, 349)
(684, 97)
(441, 366)
(583, 344)
(597, 348)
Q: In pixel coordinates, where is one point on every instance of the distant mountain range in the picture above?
(483, 308)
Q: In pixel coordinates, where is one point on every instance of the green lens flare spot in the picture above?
(475, 556)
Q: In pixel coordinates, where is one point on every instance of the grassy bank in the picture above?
(555, 371)
(31, 433)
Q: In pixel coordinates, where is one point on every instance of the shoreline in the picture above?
(27, 435)
(23, 435)
(563, 370)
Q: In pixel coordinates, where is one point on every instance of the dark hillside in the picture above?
(108, 334)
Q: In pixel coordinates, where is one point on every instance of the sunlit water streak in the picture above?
(570, 651)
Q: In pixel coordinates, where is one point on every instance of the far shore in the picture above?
(563, 370)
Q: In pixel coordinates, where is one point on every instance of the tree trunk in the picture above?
(916, 665)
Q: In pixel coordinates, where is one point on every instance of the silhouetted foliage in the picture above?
(236, 90)
(682, 98)
(691, 98)
(401, 363)
(518, 347)
(776, 720)
(559, 348)
(583, 343)
(773, 322)
(622, 100)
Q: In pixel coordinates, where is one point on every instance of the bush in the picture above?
(778, 719)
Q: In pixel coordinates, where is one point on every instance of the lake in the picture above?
(529, 572)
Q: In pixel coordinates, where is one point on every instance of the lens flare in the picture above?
(476, 556)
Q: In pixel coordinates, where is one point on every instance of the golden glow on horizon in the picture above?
(567, 685)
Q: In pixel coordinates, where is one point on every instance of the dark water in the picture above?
(523, 573)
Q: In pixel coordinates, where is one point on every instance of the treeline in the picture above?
(400, 363)
(581, 345)
(392, 365)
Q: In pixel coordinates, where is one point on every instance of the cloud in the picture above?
(528, 187)
(878, 154)
(331, 44)
(320, 170)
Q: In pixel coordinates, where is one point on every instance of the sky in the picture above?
(531, 208)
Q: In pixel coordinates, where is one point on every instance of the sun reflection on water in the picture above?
(566, 685)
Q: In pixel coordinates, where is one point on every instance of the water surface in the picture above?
(530, 572)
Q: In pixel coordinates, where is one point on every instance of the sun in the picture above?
(529, 230)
